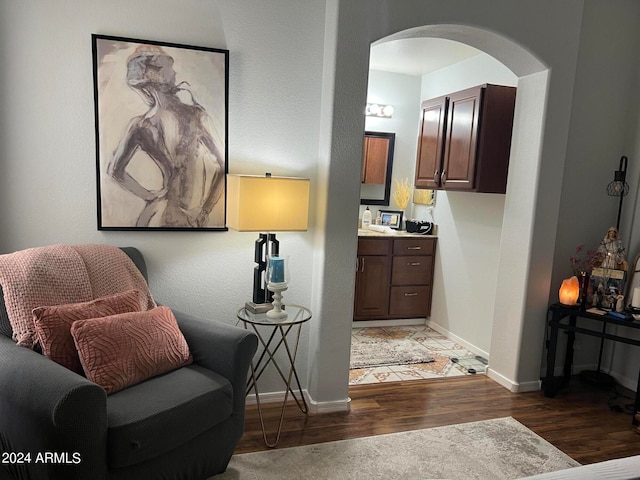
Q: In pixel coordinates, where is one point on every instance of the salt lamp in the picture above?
(569, 291)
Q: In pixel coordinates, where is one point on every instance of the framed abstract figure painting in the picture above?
(161, 116)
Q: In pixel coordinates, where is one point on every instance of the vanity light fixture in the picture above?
(377, 110)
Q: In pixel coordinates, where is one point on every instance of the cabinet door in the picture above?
(372, 287)
(430, 143)
(459, 159)
(376, 152)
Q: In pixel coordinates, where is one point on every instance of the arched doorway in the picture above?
(525, 255)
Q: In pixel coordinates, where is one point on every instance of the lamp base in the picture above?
(258, 307)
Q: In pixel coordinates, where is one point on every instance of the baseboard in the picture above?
(512, 386)
(401, 322)
(460, 341)
(314, 406)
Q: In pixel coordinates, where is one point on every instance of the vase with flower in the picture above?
(401, 194)
(582, 262)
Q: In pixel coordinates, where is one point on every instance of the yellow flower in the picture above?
(402, 193)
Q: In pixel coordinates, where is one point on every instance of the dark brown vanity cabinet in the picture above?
(465, 140)
(372, 278)
(394, 277)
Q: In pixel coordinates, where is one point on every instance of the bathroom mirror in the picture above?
(377, 165)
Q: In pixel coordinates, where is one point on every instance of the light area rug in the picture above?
(382, 352)
(494, 449)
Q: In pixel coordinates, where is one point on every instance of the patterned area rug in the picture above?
(377, 352)
(495, 449)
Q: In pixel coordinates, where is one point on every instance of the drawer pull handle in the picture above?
(414, 264)
(414, 294)
(414, 248)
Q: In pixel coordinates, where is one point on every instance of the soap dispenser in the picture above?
(366, 218)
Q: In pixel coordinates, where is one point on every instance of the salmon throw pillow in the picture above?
(53, 324)
(123, 350)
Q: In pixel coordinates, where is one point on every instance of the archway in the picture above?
(532, 78)
(529, 219)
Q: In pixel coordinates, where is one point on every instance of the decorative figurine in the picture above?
(612, 251)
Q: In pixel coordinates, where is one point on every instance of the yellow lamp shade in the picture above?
(569, 291)
(266, 203)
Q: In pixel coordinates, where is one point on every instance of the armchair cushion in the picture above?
(53, 324)
(156, 416)
(125, 349)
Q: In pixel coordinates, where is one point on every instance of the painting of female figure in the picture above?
(161, 123)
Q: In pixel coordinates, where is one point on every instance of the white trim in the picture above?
(443, 331)
(314, 407)
(500, 379)
(328, 407)
(402, 322)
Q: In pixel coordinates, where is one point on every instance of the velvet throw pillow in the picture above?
(53, 324)
(123, 350)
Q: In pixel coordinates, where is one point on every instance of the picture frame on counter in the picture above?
(392, 218)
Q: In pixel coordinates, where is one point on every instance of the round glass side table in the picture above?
(274, 335)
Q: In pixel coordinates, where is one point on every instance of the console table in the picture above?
(559, 313)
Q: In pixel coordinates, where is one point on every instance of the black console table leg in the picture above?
(568, 359)
(636, 405)
(549, 384)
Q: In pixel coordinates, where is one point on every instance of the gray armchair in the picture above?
(181, 425)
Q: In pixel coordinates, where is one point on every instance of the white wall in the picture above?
(604, 126)
(469, 225)
(403, 92)
(47, 149)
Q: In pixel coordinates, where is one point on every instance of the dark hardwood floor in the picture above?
(578, 421)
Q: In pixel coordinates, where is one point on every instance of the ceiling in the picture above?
(418, 56)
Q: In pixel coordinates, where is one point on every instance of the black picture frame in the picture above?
(369, 198)
(392, 218)
(605, 286)
(161, 125)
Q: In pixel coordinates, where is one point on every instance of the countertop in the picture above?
(362, 232)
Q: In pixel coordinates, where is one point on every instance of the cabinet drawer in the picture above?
(410, 301)
(414, 246)
(373, 246)
(412, 270)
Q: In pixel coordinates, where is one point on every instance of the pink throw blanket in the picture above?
(62, 274)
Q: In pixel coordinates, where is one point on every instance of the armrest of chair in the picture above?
(45, 407)
(225, 349)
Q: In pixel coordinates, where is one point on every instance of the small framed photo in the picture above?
(606, 284)
(391, 218)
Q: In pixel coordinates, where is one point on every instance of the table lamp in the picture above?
(266, 204)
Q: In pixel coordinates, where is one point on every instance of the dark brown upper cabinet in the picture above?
(465, 140)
